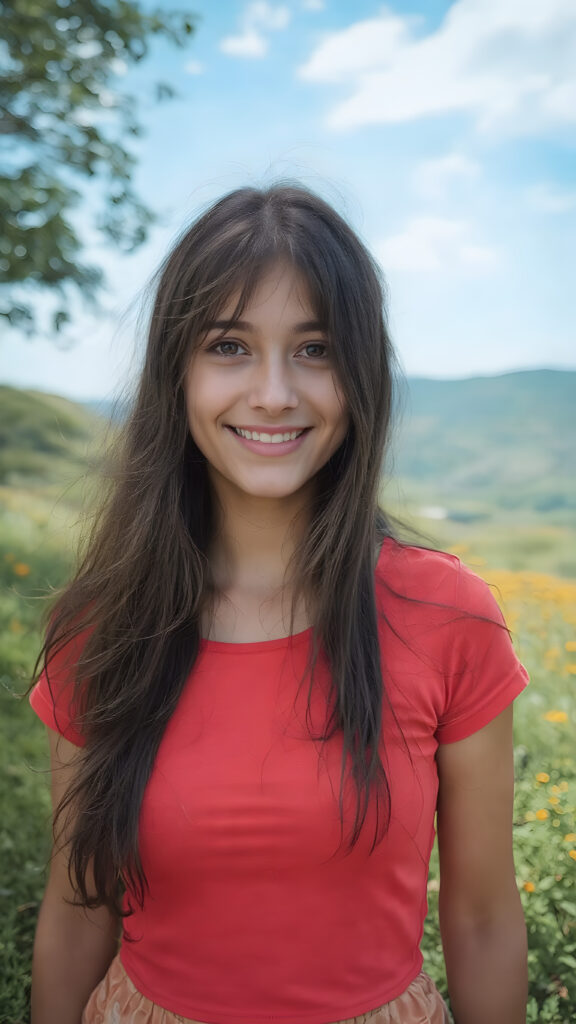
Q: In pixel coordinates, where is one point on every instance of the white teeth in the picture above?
(252, 435)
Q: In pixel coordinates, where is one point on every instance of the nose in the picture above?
(272, 387)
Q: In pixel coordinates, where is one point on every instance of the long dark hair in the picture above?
(136, 600)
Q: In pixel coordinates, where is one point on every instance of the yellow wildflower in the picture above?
(563, 786)
(555, 790)
(570, 645)
(21, 569)
(529, 886)
(555, 716)
(543, 777)
(542, 814)
(570, 668)
(529, 816)
(553, 800)
(572, 853)
(570, 837)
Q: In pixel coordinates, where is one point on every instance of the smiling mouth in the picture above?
(267, 438)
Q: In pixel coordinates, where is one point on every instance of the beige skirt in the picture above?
(116, 1001)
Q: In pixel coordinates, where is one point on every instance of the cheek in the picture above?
(203, 400)
(197, 420)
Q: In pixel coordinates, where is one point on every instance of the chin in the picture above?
(274, 493)
(276, 489)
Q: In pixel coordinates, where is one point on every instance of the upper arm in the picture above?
(60, 890)
(475, 809)
(64, 757)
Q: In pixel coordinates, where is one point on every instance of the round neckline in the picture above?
(253, 646)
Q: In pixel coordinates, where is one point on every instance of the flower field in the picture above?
(541, 613)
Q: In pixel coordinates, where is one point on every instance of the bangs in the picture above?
(241, 281)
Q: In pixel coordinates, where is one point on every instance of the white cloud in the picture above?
(508, 64)
(258, 19)
(250, 44)
(435, 243)
(357, 50)
(432, 178)
(194, 67)
(268, 17)
(546, 198)
(313, 5)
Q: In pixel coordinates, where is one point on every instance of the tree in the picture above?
(66, 120)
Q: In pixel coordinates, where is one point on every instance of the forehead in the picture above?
(279, 291)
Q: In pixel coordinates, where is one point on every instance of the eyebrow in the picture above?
(245, 325)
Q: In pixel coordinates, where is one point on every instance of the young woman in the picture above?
(257, 698)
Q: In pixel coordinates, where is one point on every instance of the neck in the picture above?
(255, 539)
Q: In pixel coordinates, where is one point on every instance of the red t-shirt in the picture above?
(250, 918)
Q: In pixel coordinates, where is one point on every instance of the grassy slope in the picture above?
(43, 438)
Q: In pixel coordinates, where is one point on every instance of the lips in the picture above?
(276, 437)
(273, 435)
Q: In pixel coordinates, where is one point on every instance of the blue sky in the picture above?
(445, 133)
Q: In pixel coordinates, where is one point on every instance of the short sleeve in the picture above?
(483, 673)
(53, 697)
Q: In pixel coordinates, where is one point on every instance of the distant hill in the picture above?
(506, 442)
(471, 448)
(43, 438)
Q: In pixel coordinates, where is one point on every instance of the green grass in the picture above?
(35, 536)
(24, 849)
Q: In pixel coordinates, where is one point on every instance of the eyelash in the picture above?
(310, 344)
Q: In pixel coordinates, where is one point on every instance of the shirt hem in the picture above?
(466, 726)
(46, 712)
(328, 1016)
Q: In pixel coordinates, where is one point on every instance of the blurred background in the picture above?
(445, 132)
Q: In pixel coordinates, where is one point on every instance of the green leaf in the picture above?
(58, 64)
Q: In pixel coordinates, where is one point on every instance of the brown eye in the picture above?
(227, 348)
(315, 350)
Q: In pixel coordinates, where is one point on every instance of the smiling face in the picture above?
(263, 403)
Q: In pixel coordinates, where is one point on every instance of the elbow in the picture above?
(481, 911)
(484, 923)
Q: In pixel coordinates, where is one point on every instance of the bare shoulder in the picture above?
(65, 758)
